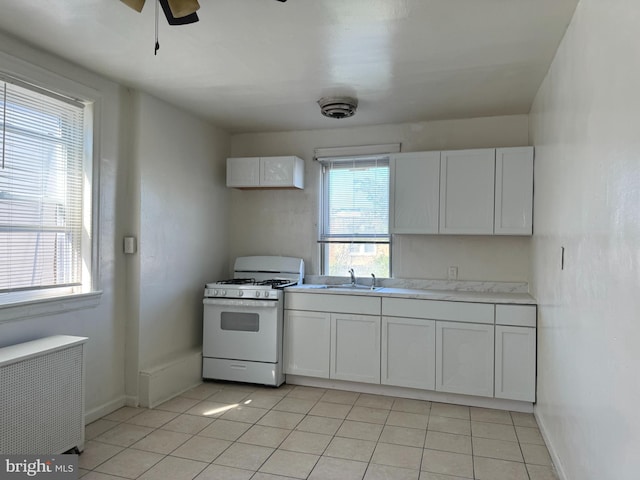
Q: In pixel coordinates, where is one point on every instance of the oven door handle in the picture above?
(233, 302)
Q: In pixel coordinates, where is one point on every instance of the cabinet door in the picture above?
(514, 191)
(355, 347)
(281, 172)
(306, 343)
(415, 192)
(464, 358)
(243, 172)
(467, 191)
(408, 352)
(516, 363)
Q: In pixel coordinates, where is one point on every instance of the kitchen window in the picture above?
(45, 193)
(354, 229)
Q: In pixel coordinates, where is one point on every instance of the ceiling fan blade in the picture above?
(173, 20)
(135, 4)
(182, 8)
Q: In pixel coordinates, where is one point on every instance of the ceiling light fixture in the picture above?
(338, 107)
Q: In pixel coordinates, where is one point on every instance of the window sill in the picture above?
(41, 307)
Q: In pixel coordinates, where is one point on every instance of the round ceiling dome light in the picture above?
(338, 107)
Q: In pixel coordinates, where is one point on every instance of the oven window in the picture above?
(240, 322)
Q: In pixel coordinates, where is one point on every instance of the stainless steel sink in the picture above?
(347, 287)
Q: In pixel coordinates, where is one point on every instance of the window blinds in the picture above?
(356, 200)
(41, 182)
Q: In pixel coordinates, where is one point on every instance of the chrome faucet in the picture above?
(353, 277)
(373, 282)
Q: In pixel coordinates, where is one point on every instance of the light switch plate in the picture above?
(129, 245)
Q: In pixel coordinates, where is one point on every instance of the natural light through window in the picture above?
(355, 216)
(45, 209)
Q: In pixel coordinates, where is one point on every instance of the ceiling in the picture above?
(261, 65)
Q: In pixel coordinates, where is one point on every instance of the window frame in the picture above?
(324, 211)
(50, 301)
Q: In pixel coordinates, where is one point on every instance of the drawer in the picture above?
(438, 310)
(241, 371)
(321, 302)
(516, 315)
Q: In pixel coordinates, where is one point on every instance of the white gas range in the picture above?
(243, 319)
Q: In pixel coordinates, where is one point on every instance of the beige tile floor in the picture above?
(224, 431)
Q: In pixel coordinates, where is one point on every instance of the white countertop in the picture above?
(448, 295)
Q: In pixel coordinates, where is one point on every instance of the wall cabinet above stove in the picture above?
(265, 172)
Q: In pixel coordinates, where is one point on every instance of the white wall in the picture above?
(284, 222)
(585, 130)
(162, 176)
(180, 198)
(104, 324)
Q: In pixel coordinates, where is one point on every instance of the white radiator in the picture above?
(42, 396)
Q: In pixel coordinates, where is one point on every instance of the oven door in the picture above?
(242, 329)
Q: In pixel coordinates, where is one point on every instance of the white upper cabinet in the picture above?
(467, 191)
(415, 192)
(514, 191)
(281, 172)
(243, 172)
(265, 172)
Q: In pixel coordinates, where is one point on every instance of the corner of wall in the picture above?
(128, 208)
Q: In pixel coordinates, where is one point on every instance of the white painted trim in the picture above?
(472, 401)
(49, 306)
(557, 462)
(355, 151)
(104, 409)
(163, 382)
(25, 71)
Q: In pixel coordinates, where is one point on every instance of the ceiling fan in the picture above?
(178, 12)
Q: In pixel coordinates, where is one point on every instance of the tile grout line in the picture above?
(473, 458)
(304, 415)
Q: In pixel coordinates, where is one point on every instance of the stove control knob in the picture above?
(266, 294)
(215, 293)
(257, 294)
(223, 293)
(240, 293)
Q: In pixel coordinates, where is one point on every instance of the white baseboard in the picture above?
(552, 451)
(175, 376)
(105, 409)
(472, 401)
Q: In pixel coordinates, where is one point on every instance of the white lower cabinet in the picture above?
(464, 358)
(355, 348)
(453, 347)
(307, 340)
(516, 363)
(408, 352)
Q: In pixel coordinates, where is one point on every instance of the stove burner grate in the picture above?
(238, 281)
(277, 282)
